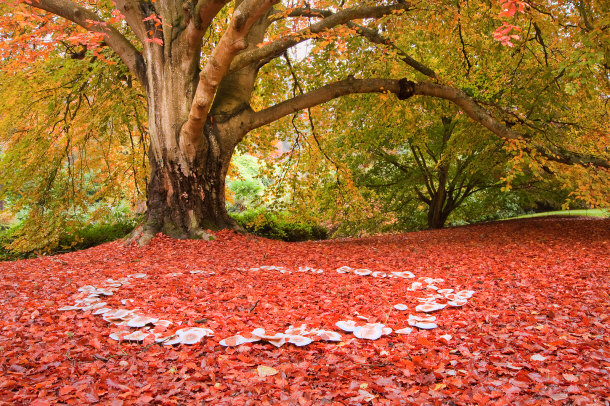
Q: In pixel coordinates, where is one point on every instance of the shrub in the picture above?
(278, 226)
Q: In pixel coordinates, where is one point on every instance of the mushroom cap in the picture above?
(171, 340)
(347, 325)
(403, 274)
(102, 310)
(118, 335)
(429, 307)
(163, 323)
(379, 274)
(344, 269)
(401, 306)
(141, 321)
(137, 275)
(237, 340)
(422, 324)
(118, 314)
(465, 294)
(68, 308)
(299, 341)
(416, 285)
(444, 291)
(302, 330)
(451, 296)
(457, 302)
(406, 330)
(327, 335)
(363, 272)
(94, 306)
(370, 331)
(136, 336)
(190, 336)
(427, 319)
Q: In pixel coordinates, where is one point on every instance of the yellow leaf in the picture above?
(264, 370)
(439, 386)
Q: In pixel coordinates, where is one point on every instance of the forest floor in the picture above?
(534, 332)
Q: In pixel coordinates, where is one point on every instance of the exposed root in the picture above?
(141, 236)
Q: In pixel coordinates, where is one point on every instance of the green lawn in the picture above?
(585, 212)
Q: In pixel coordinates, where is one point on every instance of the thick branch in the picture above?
(133, 16)
(322, 95)
(92, 22)
(232, 41)
(203, 14)
(278, 47)
(478, 114)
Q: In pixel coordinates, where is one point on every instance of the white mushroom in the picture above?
(163, 323)
(348, 325)
(427, 319)
(465, 294)
(118, 335)
(68, 308)
(136, 336)
(171, 340)
(403, 274)
(429, 307)
(401, 307)
(299, 341)
(102, 310)
(302, 330)
(137, 275)
(327, 335)
(237, 340)
(362, 272)
(370, 331)
(344, 269)
(457, 303)
(141, 321)
(379, 274)
(405, 330)
(192, 335)
(422, 324)
(118, 314)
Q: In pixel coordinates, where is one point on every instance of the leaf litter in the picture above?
(531, 328)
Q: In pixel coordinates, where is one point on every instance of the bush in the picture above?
(278, 227)
(94, 234)
(80, 238)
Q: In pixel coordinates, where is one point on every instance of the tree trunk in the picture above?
(182, 202)
(437, 215)
(186, 188)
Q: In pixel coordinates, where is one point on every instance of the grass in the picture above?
(584, 212)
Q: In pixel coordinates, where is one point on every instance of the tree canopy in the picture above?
(209, 72)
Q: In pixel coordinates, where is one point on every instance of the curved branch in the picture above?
(231, 42)
(278, 47)
(481, 116)
(92, 22)
(133, 16)
(322, 95)
(203, 14)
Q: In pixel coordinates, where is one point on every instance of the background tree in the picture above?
(75, 138)
(528, 85)
(438, 166)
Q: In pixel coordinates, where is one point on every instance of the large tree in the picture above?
(199, 87)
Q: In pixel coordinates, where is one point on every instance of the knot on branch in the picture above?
(407, 88)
